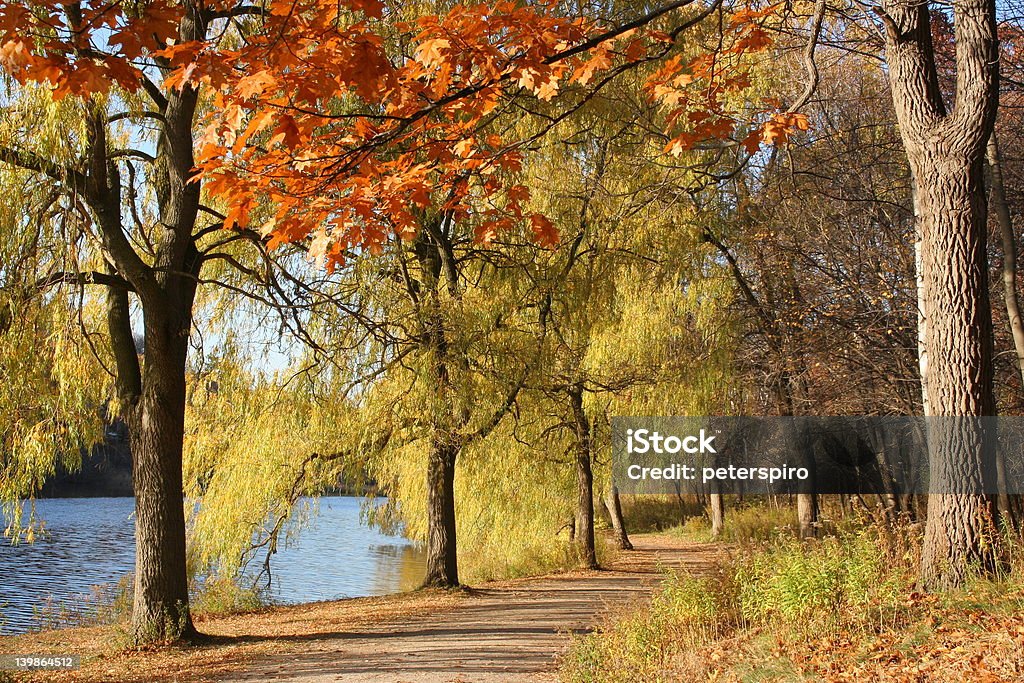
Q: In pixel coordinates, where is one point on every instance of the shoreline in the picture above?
(345, 630)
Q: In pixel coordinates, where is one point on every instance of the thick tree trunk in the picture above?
(442, 560)
(161, 579)
(946, 151)
(614, 506)
(959, 339)
(584, 540)
(717, 515)
(157, 424)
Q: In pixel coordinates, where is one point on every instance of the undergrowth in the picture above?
(845, 608)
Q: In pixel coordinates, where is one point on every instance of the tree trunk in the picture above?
(717, 515)
(160, 609)
(807, 514)
(442, 560)
(922, 321)
(959, 339)
(946, 153)
(449, 416)
(614, 506)
(1008, 504)
(1009, 244)
(584, 539)
(585, 546)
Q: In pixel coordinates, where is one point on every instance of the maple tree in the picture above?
(347, 130)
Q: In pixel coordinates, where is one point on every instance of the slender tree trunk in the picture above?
(717, 515)
(1009, 244)
(922, 321)
(806, 502)
(614, 506)
(584, 541)
(807, 514)
(1008, 504)
(442, 560)
(585, 545)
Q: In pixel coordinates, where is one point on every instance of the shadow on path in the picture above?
(512, 633)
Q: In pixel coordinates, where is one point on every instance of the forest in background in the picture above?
(440, 245)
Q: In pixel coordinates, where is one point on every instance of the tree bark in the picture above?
(614, 506)
(1009, 245)
(442, 560)
(156, 428)
(807, 514)
(586, 550)
(946, 154)
(959, 339)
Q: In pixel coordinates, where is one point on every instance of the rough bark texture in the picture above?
(614, 506)
(584, 538)
(156, 427)
(442, 561)
(946, 153)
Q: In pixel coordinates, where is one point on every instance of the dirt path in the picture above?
(508, 633)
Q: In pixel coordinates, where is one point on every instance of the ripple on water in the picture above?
(90, 542)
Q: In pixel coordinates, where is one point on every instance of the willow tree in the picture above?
(619, 314)
(51, 404)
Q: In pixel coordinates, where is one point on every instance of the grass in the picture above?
(647, 513)
(743, 524)
(844, 608)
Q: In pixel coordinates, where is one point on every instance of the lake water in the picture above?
(89, 542)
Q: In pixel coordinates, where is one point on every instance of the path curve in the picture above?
(509, 633)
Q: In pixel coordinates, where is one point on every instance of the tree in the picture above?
(349, 148)
(128, 180)
(945, 145)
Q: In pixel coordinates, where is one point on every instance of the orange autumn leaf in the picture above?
(544, 231)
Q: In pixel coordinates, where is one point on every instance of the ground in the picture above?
(501, 631)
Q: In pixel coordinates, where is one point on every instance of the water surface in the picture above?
(89, 543)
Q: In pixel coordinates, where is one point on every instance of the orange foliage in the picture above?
(346, 131)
